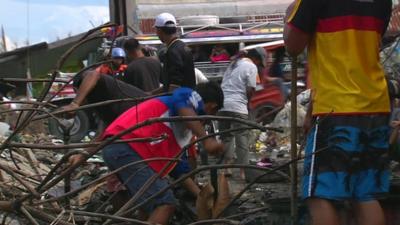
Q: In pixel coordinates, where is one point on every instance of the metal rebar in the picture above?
(20, 180)
(183, 150)
(98, 104)
(77, 74)
(150, 181)
(110, 217)
(216, 221)
(27, 103)
(293, 145)
(100, 179)
(33, 80)
(248, 213)
(263, 175)
(83, 145)
(28, 117)
(204, 168)
(29, 216)
(149, 122)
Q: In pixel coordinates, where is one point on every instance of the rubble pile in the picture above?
(32, 165)
(22, 170)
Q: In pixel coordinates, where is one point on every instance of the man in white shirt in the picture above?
(238, 85)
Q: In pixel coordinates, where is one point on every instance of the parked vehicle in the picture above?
(234, 37)
(268, 99)
(86, 123)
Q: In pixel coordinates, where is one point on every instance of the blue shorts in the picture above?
(134, 177)
(353, 162)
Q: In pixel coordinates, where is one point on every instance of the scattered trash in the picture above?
(4, 129)
(265, 162)
(282, 119)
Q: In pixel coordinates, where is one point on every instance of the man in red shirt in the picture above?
(205, 99)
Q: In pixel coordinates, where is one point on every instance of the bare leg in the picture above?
(162, 214)
(322, 212)
(191, 186)
(369, 213)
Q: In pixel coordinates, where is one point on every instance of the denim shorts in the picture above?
(353, 159)
(134, 177)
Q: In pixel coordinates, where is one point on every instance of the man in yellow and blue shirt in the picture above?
(350, 104)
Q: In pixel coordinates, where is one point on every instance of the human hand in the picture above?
(308, 120)
(75, 159)
(395, 124)
(308, 123)
(72, 107)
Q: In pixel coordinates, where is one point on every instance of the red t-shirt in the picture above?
(177, 134)
(106, 69)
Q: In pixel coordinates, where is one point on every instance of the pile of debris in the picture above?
(276, 146)
(23, 168)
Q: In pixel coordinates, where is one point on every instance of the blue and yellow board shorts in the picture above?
(347, 158)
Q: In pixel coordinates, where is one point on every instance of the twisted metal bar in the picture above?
(61, 61)
(83, 145)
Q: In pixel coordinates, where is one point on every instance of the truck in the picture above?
(203, 33)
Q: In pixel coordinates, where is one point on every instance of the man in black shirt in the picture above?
(141, 76)
(178, 65)
(142, 72)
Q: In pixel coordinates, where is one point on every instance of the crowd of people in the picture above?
(348, 117)
(142, 77)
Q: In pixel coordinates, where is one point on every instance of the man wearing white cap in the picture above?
(178, 63)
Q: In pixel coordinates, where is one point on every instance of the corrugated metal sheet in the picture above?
(219, 8)
(146, 24)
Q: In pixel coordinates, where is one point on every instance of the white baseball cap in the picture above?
(165, 20)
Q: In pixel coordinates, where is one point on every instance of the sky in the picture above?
(50, 19)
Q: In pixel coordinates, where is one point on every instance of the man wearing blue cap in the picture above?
(103, 83)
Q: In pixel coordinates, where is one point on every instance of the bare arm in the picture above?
(249, 92)
(210, 144)
(395, 132)
(295, 40)
(191, 186)
(308, 119)
(87, 85)
(75, 159)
